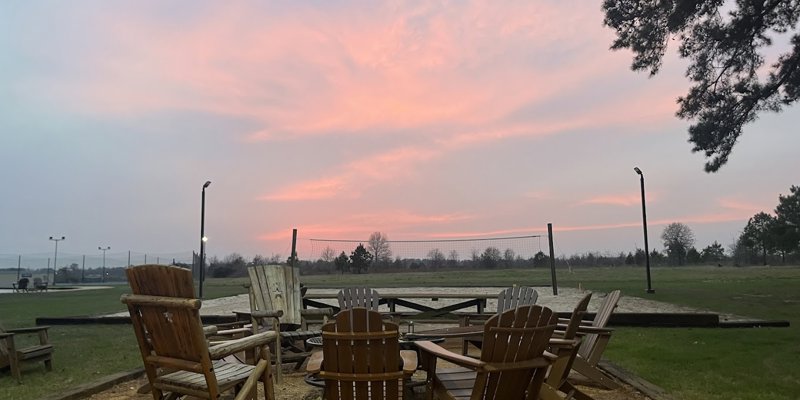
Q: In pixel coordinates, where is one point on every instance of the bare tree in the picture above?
(678, 239)
(328, 254)
(437, 258)
(509, 255)
(452, 258)
(378, 245)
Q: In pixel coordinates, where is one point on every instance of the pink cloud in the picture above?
(401, 69)
(745, 207)
(310, 190)
(615, 200)
(366, 223)
(355, 176)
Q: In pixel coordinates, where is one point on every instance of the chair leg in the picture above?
(574, 393)
(269, 386)
(592, 372)
(15, 369)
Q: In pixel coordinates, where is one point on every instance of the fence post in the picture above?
(552, 258)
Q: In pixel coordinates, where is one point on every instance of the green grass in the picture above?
(742, 363)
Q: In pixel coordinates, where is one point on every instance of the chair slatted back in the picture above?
(362, 357)
(588, 345)
(276, 287)
(516, 296)
(577, 317)
(516, 335)
(161, 280)
(560, 369)
(358, 297)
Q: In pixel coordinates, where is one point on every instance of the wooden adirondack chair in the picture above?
(177, 358)
(276, 304)
(361, 358)
(564, 346)
(39, 285)
(21, 285)
(595, 338)
(358, 297)
(11, 356)
(170, 281)
(507, 299)
(512, 364)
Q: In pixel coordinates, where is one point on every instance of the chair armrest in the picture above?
(6, 335)
(564, 342)
(538, 362)
(550, 356)
(593, 329)
(233, 325)
(328, 312)
(409, 358)
(229, 347)
(236, 331)
(209, 330)
(34, 329)
(266, 314)
(455, 358)
(314, 362)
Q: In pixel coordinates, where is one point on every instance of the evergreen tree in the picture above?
(726, 43)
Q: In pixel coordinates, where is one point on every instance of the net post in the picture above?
(552, 258)
(293, 256)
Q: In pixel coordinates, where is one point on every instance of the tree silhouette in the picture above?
(726, 44)
(361, 259)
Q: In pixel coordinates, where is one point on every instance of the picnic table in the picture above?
(413, 301)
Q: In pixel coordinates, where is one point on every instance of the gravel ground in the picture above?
(565, 300)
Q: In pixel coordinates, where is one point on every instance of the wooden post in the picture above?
(293, 256)
(552, 258)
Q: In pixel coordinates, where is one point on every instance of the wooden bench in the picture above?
(13, 357)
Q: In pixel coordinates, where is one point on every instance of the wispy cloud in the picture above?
(615, 200)
(746, 207)
(359, 226)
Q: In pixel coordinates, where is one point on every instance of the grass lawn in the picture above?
(752, 363)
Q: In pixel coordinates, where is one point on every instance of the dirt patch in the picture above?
(294, 388)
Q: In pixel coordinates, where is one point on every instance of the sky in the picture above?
(422, 120)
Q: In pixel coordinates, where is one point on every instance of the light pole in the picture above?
(203, 238)
(55, 258)
(103, 249)
(644, 224)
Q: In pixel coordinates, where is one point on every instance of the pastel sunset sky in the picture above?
(420, 119)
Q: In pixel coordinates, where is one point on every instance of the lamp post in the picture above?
(644, 224)
(103, 249)
(55, 258)
(203, 237)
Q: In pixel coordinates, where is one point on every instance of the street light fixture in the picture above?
(203, 238)
(644, 224)
(55, 258)
(103, 249)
